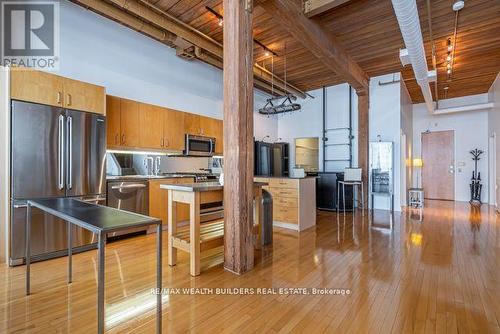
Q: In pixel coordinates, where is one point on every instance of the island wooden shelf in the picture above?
(197, 236)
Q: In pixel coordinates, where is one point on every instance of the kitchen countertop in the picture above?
(201, 187)
(147, 177)
(284, 177)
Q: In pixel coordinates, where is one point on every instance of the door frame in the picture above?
(454, 160)
(404, 170)
(492, 166)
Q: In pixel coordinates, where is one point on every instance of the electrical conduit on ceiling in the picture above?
(409, 24)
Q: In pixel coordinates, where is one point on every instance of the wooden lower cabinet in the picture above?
(158, 200)
(294, 201)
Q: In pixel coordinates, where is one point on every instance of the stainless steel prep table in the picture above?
(100, 220)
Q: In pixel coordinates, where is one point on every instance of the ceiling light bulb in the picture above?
(448, 71)
(267, 53)
(221, 22)
(448, 66)
(448, 57)
(450, 47)
(458, 5)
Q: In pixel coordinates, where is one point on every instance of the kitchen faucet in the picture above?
(157, 165)
(146, 163)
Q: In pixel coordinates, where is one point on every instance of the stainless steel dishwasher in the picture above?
(130, 196)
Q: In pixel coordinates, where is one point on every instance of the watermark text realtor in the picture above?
(30, 34)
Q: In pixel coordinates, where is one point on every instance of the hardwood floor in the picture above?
(441, 275)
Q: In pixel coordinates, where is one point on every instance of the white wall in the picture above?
(308, 122)
(407, 150)
(131, 65)
(494, 128)
(385, 121)
(471, 131)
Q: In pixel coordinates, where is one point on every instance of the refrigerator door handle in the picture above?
(70, 152)
(60, 154)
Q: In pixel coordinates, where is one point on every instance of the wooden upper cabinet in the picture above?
(151, 126)
(212, 127)
(192, 124)
(36, 86)
(83, 96)
(113, 117)
(129, 123)
(219, 137)
(45, 88)
(173, 130)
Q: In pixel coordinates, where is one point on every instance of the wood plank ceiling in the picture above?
(369, 32)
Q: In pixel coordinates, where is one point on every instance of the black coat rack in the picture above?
(476, 187)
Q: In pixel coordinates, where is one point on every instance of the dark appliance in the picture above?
(271, 159)
(199, 146)
(326, 192)
(130, 196)
(55, 153)
(280, 159)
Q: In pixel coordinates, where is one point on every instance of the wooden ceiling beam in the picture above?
(118, 15)
(316, 7)
(320, 42)
(165, 28)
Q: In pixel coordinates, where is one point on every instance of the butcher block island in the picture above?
(199, 236)
(294, 201)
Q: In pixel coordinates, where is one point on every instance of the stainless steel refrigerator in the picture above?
(55, 152)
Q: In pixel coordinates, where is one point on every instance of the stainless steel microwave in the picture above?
(199, 146)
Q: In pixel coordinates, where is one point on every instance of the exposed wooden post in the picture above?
(363, 136)
(238, 136)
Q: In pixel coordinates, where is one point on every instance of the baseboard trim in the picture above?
(289, 226)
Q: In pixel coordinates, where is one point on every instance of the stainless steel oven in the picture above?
(199, 146)
(130, 196)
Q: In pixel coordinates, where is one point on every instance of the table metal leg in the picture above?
(70, 253)
(158, 277)
(338, 197)
(28, 247)
(100, 282)
(343, 196)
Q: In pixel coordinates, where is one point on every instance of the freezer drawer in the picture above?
(48, 235)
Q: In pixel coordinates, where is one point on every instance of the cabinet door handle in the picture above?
(162, 142)
(116, 138)
(123, 139)
(58, 97)
(167, 143)
(69, 99)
